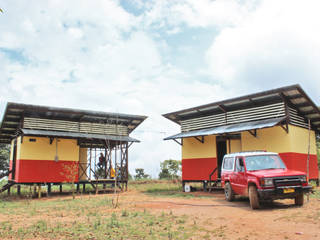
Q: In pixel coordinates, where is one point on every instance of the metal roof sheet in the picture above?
(294, 95)
(15, 112)
(234, 128)
(34, 132)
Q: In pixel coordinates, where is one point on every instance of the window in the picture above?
(239, 165)
(261, 162)
(228, 164)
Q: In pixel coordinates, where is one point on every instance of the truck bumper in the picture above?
(283, 192)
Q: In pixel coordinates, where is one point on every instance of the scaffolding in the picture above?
(115, 158)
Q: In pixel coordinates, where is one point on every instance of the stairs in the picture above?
(214, 184)
(7, 186)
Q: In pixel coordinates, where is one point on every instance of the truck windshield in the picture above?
(261, 162)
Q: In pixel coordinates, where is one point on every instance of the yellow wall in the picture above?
(11, 150)
(277, 140)
(83, 163)
(68, 150)
(192, 148)
(235, 145)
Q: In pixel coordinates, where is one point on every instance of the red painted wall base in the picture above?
(198, 168)
(298, 161)
(33, 171)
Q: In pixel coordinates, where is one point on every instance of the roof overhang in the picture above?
(293, 95)
(16, 112)
(73, 135)
(227, 129)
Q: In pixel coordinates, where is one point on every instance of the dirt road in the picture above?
(278, 220)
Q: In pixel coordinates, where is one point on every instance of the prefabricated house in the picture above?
(57, 145)
(283, 120)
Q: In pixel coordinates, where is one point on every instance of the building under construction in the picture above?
(283, 120)
(51, 145)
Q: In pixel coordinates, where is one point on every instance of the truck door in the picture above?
(239, 177)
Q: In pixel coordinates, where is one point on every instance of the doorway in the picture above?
(221, 151)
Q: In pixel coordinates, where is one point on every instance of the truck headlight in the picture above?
(303, 178)
(266, 182)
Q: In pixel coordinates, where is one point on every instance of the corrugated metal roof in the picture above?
(293, 95)
(33, 132)
(234, 128)
(16, 112)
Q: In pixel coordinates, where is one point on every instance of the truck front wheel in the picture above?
(253, 197)
(299, 199)
(228, 192)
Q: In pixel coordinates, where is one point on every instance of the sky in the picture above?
(150, 57)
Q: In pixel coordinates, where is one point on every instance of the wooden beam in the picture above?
(254, 133)
(285, 127)
(180, 143)
(200, 139)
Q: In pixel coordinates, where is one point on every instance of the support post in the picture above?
(84, 188)
(49, 189)
(205, 186)
(19, 190)
(9, 191)
(34, 189)
(39, 191)
(78, 187)
(60, 188)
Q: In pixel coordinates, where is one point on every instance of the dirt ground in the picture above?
(278, 220)
(227, 220)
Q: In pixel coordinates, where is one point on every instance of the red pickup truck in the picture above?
(261, 176)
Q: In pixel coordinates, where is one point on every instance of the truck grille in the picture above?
(287, 181)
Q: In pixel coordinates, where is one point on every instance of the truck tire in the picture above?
(228, 192)
(299, 199)
(253, 197)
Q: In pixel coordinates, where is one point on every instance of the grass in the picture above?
(132, 224)
(164, 188)
(94, 217)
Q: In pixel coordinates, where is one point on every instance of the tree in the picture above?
(140, 174)
(4, 157)
(170, 169)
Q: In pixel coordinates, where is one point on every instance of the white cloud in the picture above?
(277, 45)
(197, 13)
(95, 55)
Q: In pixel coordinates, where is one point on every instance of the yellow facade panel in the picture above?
(235, 145)
(270, 139)
(300, 140)
(192, 148)
(18, 148)
(277, 140)
(39, 148)
(11, 150)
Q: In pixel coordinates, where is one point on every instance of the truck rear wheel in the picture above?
(228, 192)
(253, 197)
(299, 199)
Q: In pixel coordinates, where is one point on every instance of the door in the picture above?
(221, 151)
(238, 179)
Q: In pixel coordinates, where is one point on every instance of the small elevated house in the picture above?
(276, 120)
(57, 145)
